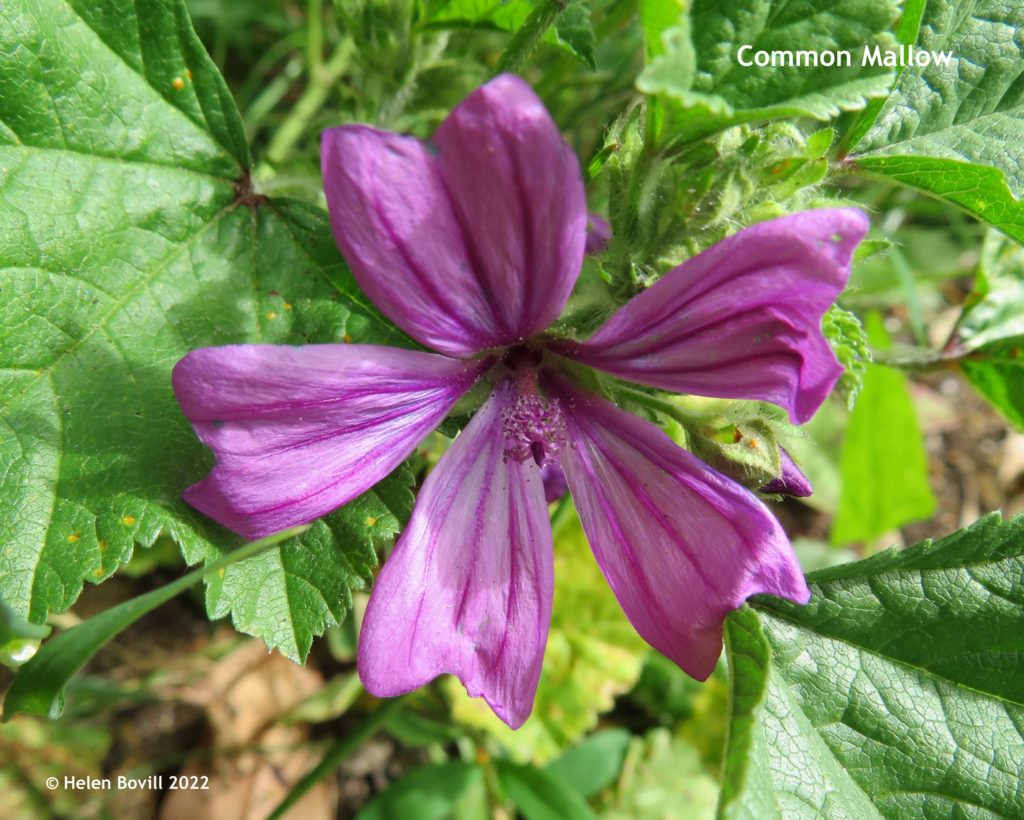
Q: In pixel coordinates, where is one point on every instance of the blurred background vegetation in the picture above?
(617, 730)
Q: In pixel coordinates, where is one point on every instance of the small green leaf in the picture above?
(38, 687)
(850, 344)
(572, 31)
(575, 31)
(657, 17)
(992, 326)
(883, 465)
(19, 640)
(663, 777)
(999, 377)
(593, 764)
(443, 791)
(873, 698)
(995, 310)
(540, 795)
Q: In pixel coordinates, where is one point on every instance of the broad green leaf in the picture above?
(38, 688)
(906, 34)
(588, 661)
(443, 791)
(572, 31)
(776, 765)
(593, 764)
(883, 466)
(132, 235)
(896, 691)
(970, 110)
(539, 795)
(980, 190)
(954, 130)
(697, 70)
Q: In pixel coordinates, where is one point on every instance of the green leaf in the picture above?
(979, 190)
(697, 70)
(883, 465)
(906, 34)
(999, 377)
(38, 688)
(539, 795)
(897, 690)
(289, 596)
(954, 131)
(572, 31)
(776, 765)
(19, 640)
(657, 17)
(443, 791)
(131, 236)
(850, 344)
(593, 764)
(992, 326)
(995, 309)
(663, 777)
(970, 110)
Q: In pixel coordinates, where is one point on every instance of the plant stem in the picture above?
(937, 360)
(314, 36)
(657, 405)
(312, 100)
(525, 40)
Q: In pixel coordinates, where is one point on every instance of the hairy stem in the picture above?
(525, 40)
(321, 81)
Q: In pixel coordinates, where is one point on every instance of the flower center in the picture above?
(533, 425)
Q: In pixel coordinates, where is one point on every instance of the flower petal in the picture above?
(471, 243)
(791, 480)
(298, 431)
(740, 320)
(468, 587)
(680, 544)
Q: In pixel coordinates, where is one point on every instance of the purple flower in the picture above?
(471, 244)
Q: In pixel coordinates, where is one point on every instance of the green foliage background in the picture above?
(160, 191)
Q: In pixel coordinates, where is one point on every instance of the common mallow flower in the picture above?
(471, 244)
